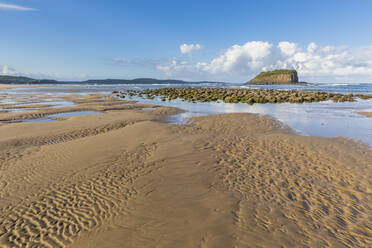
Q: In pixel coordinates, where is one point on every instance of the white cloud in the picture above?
(137, 62)
(237, 58)
(288, 48)
(311, 47)
(319, 63)
(176, 66)
(189, 48)
(5, 70)
(4, 6)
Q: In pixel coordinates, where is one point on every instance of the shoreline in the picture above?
(39, 108)
(12, 86)
(366, 114)
(125, 177)
(15, 86)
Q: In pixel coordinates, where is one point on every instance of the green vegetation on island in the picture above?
(283, 76)
(24, 80)
(249, 96)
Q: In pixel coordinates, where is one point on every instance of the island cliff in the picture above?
(276, 77)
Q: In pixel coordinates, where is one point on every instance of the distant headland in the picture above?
(27, 80)
(283, 76)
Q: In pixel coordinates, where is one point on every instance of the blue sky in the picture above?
(329, 40)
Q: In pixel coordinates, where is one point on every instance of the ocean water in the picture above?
(334, 88)
(64, 89)
(325, 119)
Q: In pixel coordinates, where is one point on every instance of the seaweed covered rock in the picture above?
(249, 96)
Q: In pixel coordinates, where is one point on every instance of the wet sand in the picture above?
(367, 114)
(126, 178)
(13, 86)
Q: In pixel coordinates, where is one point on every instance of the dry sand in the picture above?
(125, 178)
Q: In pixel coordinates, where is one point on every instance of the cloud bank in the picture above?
(189, 48)
(10, 71)
(240, 62)
(4, 6)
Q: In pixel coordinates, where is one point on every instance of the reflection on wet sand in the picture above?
(325, 119)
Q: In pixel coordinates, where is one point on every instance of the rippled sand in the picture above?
(126, 178)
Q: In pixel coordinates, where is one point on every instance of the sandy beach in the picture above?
(13, 86)
(126, 178)
(368, 114)
(186, 124)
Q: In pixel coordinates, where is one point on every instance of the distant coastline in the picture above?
(26, 80)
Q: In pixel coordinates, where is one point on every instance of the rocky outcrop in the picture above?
(249, 96)
(276, 77)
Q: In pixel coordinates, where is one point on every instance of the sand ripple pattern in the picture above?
(67, 136)
(64, 213)
(291, 190)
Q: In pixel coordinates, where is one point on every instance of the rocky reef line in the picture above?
(249, 96)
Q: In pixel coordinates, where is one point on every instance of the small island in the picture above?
(283, 76)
